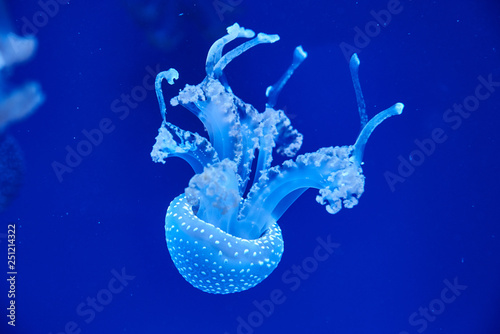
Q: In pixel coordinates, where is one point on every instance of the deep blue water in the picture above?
(401, 247)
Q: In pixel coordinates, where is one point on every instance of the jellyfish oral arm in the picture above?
(367, 130)
(332, 170)
(367, 127)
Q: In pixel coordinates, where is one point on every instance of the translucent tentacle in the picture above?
(217, 109)
(229, 56)
(272, 92)
(173, 141)
(276, 129)
(359, 146)
(354, 67)
(332, 170)
(170, 76)
(215, 52)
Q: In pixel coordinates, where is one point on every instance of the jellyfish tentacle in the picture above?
(170, 76)
(174, 141)
(354, 67)
(215, 52)
(230, 55)
(367, 127)
(272, 92)
(331, 169)
(276, 130)
(218, 110)
(367, 130)
(279, 131)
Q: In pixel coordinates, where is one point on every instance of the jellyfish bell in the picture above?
(214, 260)
(221, 240)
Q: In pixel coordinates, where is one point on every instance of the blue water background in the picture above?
(397, 247)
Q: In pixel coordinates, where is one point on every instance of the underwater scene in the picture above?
(239, 167)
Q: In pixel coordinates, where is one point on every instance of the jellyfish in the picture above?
(222, 232)
(16, 103)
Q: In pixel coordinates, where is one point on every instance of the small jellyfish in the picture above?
(16, 103)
